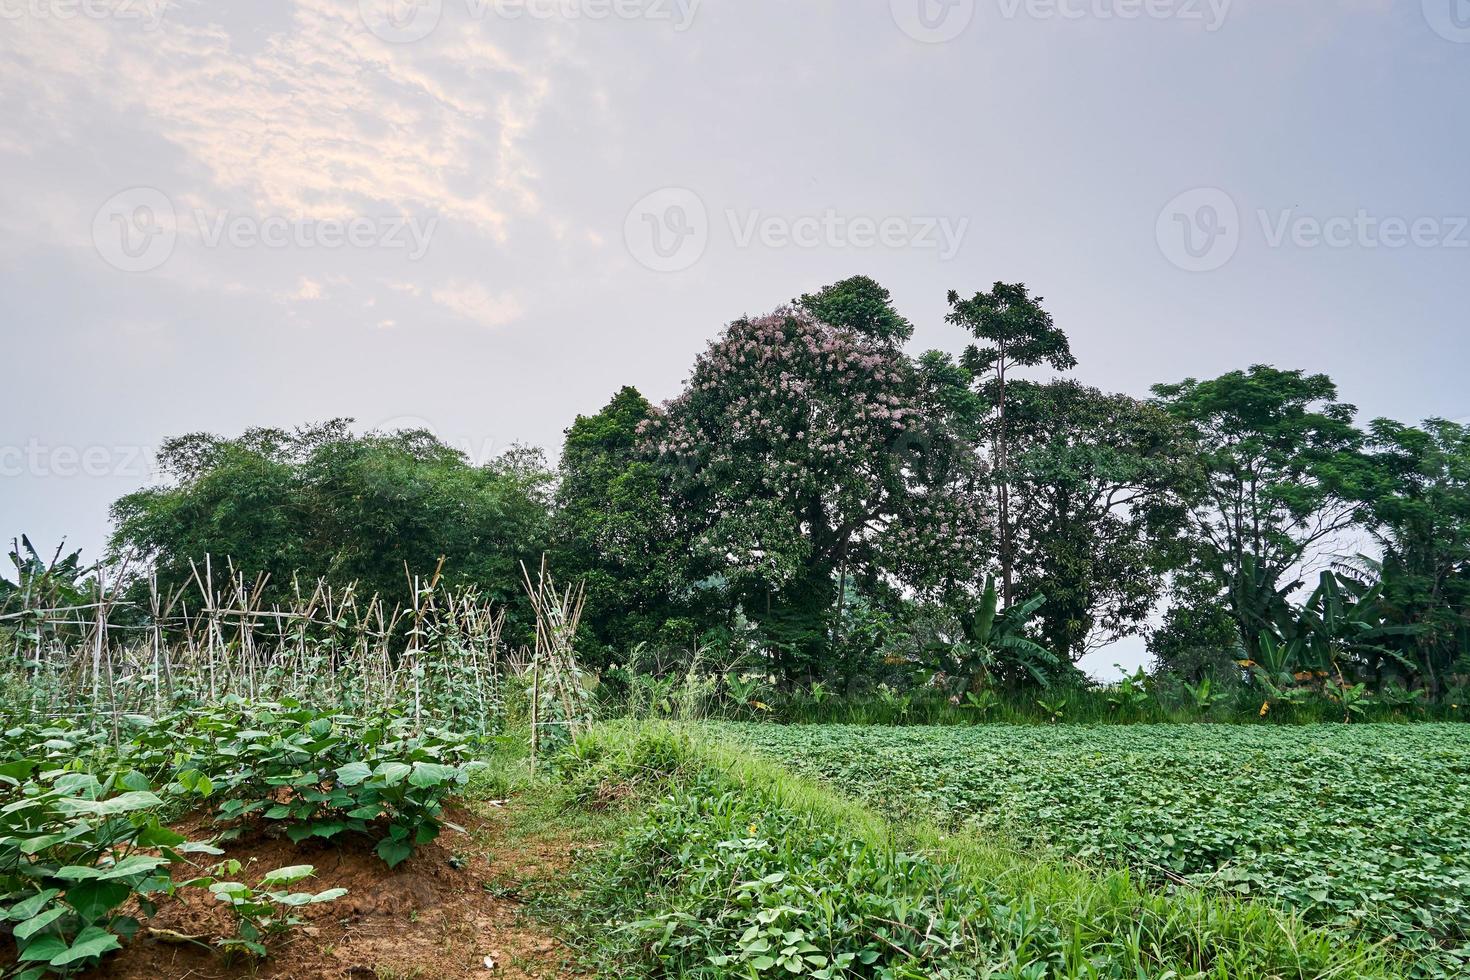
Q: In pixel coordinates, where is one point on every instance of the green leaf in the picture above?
(394, 852)
(288, 876)
(94, 899)
(392, 772)
(92, 942)
(137, 864)
(427, 774)
(36, 923)
(122, 803)
(43, 949)
(353, 773)
(21, 911)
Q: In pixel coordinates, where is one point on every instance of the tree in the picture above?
(804, 455)
(1018, 333)
(1285, 474)
(322, 502)
(1420, 518)
(1100, 489)
(614, 530)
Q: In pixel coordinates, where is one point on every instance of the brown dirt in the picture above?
(425, 919)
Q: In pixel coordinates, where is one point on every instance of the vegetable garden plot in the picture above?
(1362, 828)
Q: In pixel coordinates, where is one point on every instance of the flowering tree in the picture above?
(807, 455)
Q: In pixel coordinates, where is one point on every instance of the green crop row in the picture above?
(730, 866)
(1364, 829)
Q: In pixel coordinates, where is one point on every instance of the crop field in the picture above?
(1364, 829)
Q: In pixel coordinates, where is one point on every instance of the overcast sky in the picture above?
(486, 217)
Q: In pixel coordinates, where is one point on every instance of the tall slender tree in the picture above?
(1016, 332)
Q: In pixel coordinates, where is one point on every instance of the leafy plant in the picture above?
(1055, 708)
(265, 911)
(70, 861)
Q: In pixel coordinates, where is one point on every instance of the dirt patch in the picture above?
(437, 915)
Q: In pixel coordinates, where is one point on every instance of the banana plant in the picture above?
(995, 642)
(1200, 695)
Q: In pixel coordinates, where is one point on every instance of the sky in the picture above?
(485, 216)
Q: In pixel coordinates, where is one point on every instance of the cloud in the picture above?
(313, 117)
(474, 302)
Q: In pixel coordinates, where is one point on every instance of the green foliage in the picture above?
(734, 867)
(994, 647)
(1285, 472)
(318, 775)
(74, 849)
(1099, 489)
(1419, 515)
(804, 455)
(264, 912)
(320, 502)
(1016, 332)
(1358, 828)
(613, 529)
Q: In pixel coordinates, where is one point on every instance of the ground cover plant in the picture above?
(1359, 828)
(728, 865)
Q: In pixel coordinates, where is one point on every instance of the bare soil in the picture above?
(439, 914)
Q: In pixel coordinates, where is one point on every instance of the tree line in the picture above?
(849, 512)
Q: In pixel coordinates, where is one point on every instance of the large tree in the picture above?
(1015, 332)
(1100, 492)
(1285, 475)
(322, 502)
(805, 455)
(613, 529)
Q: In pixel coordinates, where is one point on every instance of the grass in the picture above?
(733, 860)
